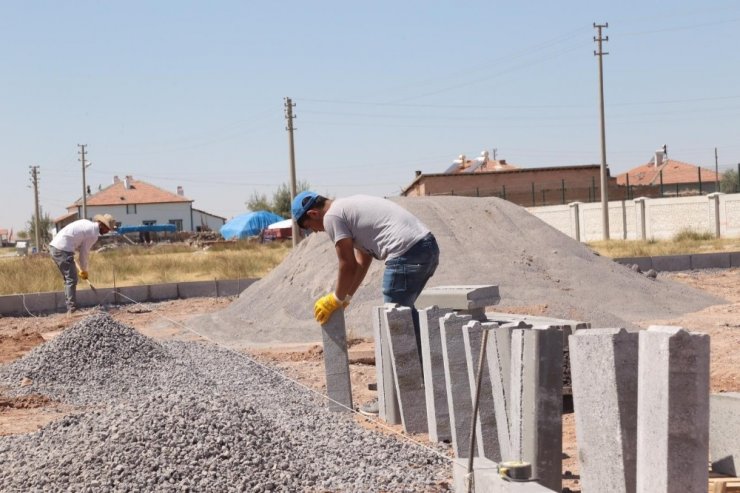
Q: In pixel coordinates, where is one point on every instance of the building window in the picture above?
(177, 223)
(130, 208)
(149, 222)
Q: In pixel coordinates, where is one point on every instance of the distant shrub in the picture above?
(688, 234)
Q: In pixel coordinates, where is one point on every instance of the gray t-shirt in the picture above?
(378, 227)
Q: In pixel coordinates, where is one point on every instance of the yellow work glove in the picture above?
(326, 305)
(83, 275)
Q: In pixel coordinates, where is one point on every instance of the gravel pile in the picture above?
(539, 271)
(184, 416)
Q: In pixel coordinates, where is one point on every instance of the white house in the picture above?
(135, 202)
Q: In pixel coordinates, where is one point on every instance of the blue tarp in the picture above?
(143, 228)
(249, 224)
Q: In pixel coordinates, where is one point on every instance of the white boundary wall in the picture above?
(645, 218)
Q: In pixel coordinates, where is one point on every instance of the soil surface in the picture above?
(303, 362)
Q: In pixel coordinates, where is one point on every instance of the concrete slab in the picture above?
(719, 260)
(161, 292)
(435, 387)
(399, 328)
(38, 303)
(604, 372)
(667, 263)
(724, 433)
(131, 294)
(388, 409)
(645, 263)
(336, 364)
(197, 289)
(735, 259)
(459, 297)
(233, 287)
(672, 410)
(89, 298)
(458, 386)
(486, 432)
(11, 304)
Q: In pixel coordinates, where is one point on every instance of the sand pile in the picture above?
(482, 241)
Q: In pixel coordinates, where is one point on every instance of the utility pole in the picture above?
(289, 104)
(36, 221)
(716, 172)
(84, 184)
(604, 190)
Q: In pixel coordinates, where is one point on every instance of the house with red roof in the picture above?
(673, 177)
(134, 202)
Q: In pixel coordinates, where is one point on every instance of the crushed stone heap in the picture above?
(482, 241)
(191, 416)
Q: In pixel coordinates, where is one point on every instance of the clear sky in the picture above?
(192, 93)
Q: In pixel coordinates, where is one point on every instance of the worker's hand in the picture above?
(325, 306)
(83, 275)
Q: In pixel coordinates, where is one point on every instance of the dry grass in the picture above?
(135, 265)
(685, 242)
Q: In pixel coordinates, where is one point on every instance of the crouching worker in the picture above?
(362, 228)
(78, 236)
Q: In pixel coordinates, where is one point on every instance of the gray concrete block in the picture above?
(667, 263)
(38, 302)
(735, 259)
(568, 326)
(672, 410)
(161, 292)
(459, 297)
(535, 413)
(435, 387)
(11, 304)
(604, 372)
(197, 289)
(89, 298)
(458, 385)
(388, 409)
(645, 263)
(719, 260)
(233, 287)
(486, 432)
(132, 294)
(336, 364)
(399, 327)
(486, 479)
(724, 433)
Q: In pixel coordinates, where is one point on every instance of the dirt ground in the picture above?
(304, 362)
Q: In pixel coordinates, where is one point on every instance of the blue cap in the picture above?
(302, 203)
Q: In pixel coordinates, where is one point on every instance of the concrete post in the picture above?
(399, 328)
(672, 411)
(714, 197)
(387, 398)
(604, 373)
(640, 205)
(336, 363)
(575, 219)
(435, 387)
(537, 402)
(458, 386)
(485, 426)
(724, 433)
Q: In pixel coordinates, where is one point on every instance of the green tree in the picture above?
(280, 203)
(281, 198)
(45, 226)
(258, 202)
(729, 182)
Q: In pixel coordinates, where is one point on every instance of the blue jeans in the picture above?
(66, 263)
(405, 277)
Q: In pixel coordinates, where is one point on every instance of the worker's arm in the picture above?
(353, 266)
(85, 248)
